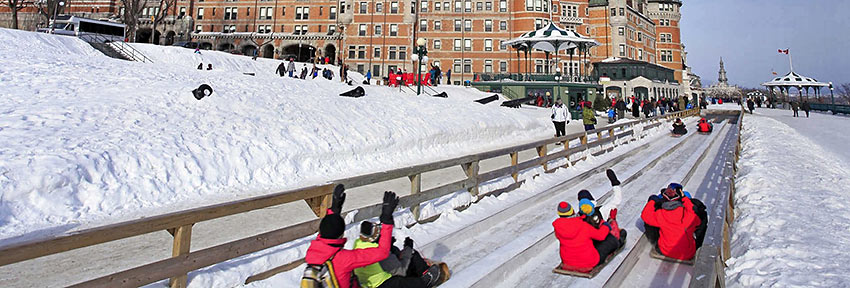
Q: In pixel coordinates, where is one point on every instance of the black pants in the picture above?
(417, 265)
(560, 128)
(403, 282)
(807, 113)
(606, 247)
(795, 113)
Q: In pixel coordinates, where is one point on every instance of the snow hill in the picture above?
(88, 140)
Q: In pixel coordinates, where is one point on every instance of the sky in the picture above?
(748, 33)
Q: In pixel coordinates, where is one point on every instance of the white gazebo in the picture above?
(552, 38)
(796, 81)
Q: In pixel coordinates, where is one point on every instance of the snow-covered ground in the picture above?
(87, 140)
(791, 204)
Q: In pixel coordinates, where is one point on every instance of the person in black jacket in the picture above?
(806, 108)
(679, 128)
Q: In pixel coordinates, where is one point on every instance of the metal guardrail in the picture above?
(834, 108)
(179, 224)
(121, 47)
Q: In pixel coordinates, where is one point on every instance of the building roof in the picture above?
(618, 60)
(792, 79)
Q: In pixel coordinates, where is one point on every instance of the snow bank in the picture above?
(791, 208)
(87, 140)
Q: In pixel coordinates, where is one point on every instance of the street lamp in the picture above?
(832, 96)
(420, 53)
(55, 12)
(558, 78)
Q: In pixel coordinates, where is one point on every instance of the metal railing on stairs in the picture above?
(120, 47)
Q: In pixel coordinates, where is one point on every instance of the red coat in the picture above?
(704, 127)
(346, 261)
(393, 81)
(576, 237)
(677, 228)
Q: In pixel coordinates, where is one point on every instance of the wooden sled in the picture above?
(590, 274)
(654, 254)
(445, 273)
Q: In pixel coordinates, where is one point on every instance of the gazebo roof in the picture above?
(552, 38)
(792, 79)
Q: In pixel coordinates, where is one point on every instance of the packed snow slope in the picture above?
(791, 204)
(88, 140)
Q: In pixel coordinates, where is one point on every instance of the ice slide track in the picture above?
(631, 159)
(502, 261)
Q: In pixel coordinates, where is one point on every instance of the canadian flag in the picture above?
(783, 51)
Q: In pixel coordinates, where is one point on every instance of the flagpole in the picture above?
(790, 62)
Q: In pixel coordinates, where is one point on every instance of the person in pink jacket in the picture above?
(330, 243)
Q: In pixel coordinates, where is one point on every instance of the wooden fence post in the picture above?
(471, 170)
(514, 162)
(320, 204)
(541, 152)
(182, 239)
(415, 188)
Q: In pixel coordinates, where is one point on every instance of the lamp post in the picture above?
(831, 95)
(420, 53)
(558, 78)
(55, 12)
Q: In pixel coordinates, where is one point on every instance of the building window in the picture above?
(503, 66)
(331, 29)
(412, 7)
(488, 44)
(393, 29)
(622, 50)
(503, 25)
(467, 25)
(622, 11)
(361, 52)
(266, 13)
(621, 31)
(200, 13)
(488, 6)
(437, 6)
(467, 66)
(379, 7)
(377, 53)
(363, 7)
(457, 45)
(457, 25)
(488, 66)
(438, 25)
(378, 29)
(456, 67)
(302, 13)
(458, 6)
(538, 23)
(479, 6)
(362, 31)
(402, 53)
(446, 6)
(640, 37)
(488, 25)
(392, 53)
(332, 11)
(666, 56)
(264, 29)
(182, 11)
(438, 45)
(230, 13)
(199, 28)
(394, 7)
(423, 7)
(467, 44)
(467, 6)
(423, 25)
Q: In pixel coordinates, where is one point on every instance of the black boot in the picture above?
(623, 235)
(431, 276)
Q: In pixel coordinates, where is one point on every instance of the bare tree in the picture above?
(161, 13)
(842, 91)
(48, 8)
(15, 6)
(130, 16)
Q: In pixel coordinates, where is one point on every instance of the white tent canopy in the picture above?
(552, 38)
(792, 79)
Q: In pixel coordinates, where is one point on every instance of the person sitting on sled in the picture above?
(403, 268)
(704, 126)
(671, 223)
(679, 128)
(585, 240)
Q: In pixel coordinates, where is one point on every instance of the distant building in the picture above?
(722, 89)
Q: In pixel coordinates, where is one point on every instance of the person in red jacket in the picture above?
(329, 243)
(704, 126)
(585, 240)
(670, 223)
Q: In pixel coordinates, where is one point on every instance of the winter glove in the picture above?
(338, 199)
(387, 207)
(612, 177)
(408, 242)
(612, 215)
(686, 194)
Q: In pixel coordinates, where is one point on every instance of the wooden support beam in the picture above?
(471, 170)
(182, 240)
(415, 188)
(583, 139)
(514, 162)
(319, 204)
(541, 152)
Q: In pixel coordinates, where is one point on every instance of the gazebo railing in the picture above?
(541, 77)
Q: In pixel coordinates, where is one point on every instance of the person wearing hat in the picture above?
(402, 268)
(704, 126)
(679, 128)
(670, 223)
(329, 244)
(585, 240)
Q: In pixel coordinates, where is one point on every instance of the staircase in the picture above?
(118, 50)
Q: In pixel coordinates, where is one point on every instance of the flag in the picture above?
(783, 51)
(774, 72)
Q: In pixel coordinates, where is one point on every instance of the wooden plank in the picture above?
(471, 171)
(274, 271)
(514, 160)
(319, 205)
(182, 241)
(541, 152)
(415, 188)
(183, 264)
(55, 244)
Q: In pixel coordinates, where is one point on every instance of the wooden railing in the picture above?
(180, 224)
(709, 268)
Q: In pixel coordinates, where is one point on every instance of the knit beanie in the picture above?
(331, 227)
(584, 194)
(585, 207)
(565, 209)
